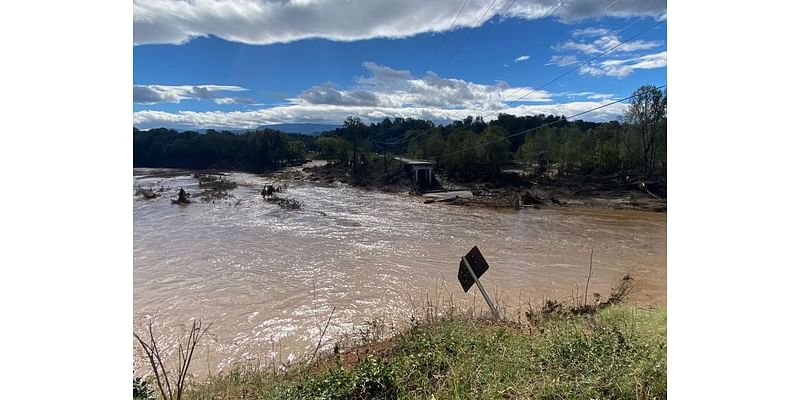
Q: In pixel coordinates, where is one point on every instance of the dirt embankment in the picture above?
(591, 191)
(395, 180)
(513, 191)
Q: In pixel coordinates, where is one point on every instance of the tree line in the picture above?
(465, 149)
(472, 148)
(258, 150)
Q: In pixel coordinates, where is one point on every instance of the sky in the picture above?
(237, 64)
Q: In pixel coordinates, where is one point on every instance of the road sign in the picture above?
(472, 266)
(478, 264)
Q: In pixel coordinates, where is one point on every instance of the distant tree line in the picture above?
(465, 149)
(251, 151)
(471, 148)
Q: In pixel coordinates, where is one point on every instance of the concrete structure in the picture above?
(421, 171)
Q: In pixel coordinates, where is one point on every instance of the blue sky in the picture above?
(241, 64)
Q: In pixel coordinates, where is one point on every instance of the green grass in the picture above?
(619, 353)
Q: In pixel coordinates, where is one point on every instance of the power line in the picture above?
(502, 14)
(480, 21)
(573, 69)
(586, 62)
(548, 14)
(453, 24)
(545, 125)
(560, 4)
(609, 50)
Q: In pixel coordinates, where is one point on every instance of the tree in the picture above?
(333, 148)
(296, 150)
(354, 131)
(647, 115)
(496, 148)
(527, 152)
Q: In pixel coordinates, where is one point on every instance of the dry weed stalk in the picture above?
(171, 389)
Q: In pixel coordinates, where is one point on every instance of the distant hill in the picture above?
(307, 129)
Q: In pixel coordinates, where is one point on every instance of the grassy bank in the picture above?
(617, 353)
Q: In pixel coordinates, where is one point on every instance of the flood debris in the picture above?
(285, 202)
(214, 182)
(149, 193)
(183, 198)
(214, 187)
(269, 190)
(619, 293)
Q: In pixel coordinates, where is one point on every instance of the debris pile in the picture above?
(148, 193)
(214, 187)
(285, 202)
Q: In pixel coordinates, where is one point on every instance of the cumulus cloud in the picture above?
(606, 43)
(609, 44)
(576, 10)
(563, 61)
(234, 100)
(283, 21)
(330, 114)
(621, 68)
(152, 94)
(590, 32)
(385, 92)
(521, 58)
(328, 94)
(587, 95)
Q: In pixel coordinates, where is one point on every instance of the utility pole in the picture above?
(354, 155)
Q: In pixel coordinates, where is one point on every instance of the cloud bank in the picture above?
(388, 93)
(153, 94)
(283, 21)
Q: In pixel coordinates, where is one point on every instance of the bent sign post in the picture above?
(472, 266)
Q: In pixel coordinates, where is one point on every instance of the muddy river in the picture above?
(268, 278)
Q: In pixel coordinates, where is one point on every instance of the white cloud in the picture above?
(233, 100)
(282, 21)
(588, 95)
(387, 92)
(590, 32)
(329, 94)
(563, 61)
(521, 58)
(606, 43)
(624, 67)
(152, 94)
(388, 87)
(314, 113)
(576, 10)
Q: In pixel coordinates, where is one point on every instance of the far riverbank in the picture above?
(508, 190)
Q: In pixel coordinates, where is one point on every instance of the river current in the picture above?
(268, 278)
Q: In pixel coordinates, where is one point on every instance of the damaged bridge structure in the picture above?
(421, 174)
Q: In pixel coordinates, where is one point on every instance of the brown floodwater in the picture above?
(267, 278)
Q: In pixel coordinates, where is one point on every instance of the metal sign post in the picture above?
(469, 272)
